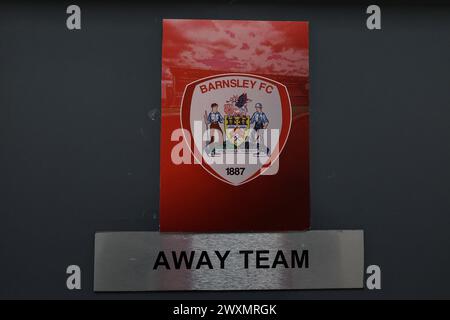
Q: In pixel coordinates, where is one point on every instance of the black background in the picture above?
(79, 133)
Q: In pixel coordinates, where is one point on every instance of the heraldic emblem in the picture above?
(239, 124)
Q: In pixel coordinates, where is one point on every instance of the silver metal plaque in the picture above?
(153, 261)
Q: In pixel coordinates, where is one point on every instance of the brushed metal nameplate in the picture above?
(154, 261)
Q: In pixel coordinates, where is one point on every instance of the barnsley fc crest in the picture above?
(239, 124)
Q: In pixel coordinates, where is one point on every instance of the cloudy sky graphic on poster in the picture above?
(266, 47)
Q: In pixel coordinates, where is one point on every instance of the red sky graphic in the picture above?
(264, 47)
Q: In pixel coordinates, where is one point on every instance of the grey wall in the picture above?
(80, 148)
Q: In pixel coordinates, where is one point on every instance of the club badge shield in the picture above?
(236, 124)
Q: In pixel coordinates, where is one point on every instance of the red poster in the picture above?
(234, 126)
